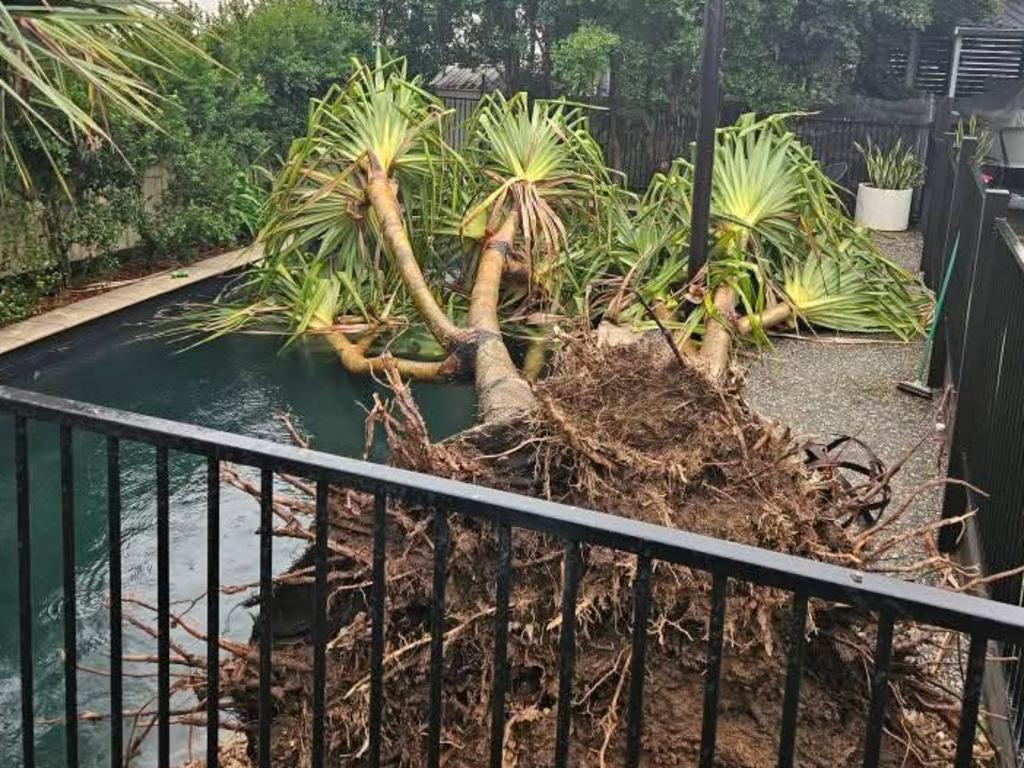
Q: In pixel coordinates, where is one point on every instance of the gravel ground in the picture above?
(826, 386)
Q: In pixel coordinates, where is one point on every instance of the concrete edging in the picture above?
(81, 312)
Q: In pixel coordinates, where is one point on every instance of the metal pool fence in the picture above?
(882, 601)
(975, 262)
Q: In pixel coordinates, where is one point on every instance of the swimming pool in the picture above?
(239, 384)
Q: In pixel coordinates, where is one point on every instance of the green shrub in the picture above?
(20, 294)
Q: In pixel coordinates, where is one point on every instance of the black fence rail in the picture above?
(889, 600)
(975, 263)
(987, 443)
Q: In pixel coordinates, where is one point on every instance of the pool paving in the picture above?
(58, 320)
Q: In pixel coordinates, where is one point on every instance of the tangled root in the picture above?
(632, 432)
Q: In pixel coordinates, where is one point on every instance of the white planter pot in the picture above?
(887, 210)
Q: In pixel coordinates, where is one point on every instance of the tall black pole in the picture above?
(709, 103)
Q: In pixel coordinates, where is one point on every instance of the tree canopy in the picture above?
(780, 54)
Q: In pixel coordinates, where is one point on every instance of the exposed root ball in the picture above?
(630, 432)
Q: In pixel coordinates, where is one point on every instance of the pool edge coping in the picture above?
(56, 321)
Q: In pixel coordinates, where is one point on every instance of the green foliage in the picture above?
(580, 60)
(20, 294)
(287, 52)
(64, 67)
(779, 234)
(894, 168)
(218, 122)
(971, 127)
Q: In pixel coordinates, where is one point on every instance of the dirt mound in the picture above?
(632, 432)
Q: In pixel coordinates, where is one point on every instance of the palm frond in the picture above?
(64, 67)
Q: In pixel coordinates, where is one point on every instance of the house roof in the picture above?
(1012, 16)
(456, 78)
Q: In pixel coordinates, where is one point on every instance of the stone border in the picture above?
(80, 312)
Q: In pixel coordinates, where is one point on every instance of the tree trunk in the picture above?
(384, 200)
(503, 393)
(770, 318)
(353, 358)
(714, 351)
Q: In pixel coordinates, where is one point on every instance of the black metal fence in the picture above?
(641, 141)
(889, 600)
(975, 263)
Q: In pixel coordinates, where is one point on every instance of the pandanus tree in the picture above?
(406, 253)
(782, 250)
(376, 231)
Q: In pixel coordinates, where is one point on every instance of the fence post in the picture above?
(995, 205)
(969, 393)
(940, 181)
(962, 184)
(710, 104)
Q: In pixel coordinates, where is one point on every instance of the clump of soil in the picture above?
(633, 432)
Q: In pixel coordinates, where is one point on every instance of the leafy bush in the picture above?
(228, 106)
(580, 60)
(20, 294)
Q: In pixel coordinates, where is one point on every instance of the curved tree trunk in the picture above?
(770, 318)
(353, 357)
(384, 200)
(502, 391)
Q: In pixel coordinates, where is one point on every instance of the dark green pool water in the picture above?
(237, 384)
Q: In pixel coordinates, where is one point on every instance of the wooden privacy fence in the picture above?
(641, 142)
(973, 256)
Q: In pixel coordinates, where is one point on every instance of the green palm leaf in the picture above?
(65, 66)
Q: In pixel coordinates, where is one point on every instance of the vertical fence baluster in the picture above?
(212, 611)
(266, 618)
(499, 685)
(319, 622)
(712, 682)
(567, 651)
(67, 501)
(434, 713)
(377, 595)
(25, 613)
(641, 610)
(971, 702)
(879, 690)
(114, 570)
(163, 608)
(794, 671)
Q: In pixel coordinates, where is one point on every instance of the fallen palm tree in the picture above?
(418, 262)
(402, 252)
(782, 250)
(600, 438)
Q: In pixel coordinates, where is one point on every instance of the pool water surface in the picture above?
(239, 384)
